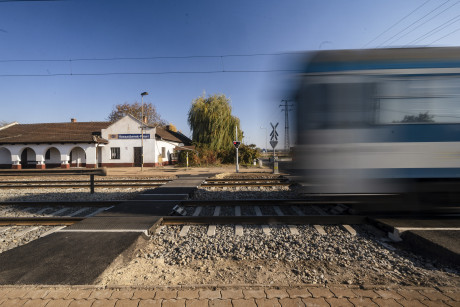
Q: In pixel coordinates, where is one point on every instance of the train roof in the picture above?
(391, 58)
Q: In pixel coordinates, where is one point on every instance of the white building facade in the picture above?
(93, 144)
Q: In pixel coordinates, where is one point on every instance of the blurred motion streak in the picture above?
(378, 120)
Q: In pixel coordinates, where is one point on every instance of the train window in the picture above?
(336, 105)
(115, 152)
(419, 100)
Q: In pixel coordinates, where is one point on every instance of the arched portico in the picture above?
(52, 157)
(28, 159)
(5, 158)
(77, 157)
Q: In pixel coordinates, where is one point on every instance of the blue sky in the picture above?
(69, 35)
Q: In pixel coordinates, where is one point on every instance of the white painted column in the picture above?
(91, 160)
(40, 159)
(65, 161)
(16, 159)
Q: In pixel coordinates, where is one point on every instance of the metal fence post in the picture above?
(92, 183)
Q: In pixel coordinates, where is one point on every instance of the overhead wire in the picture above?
(391, 27)
(424, 23)
(151, 58)
(436, 8)
(150, 73)
(443, 37)
(435, 30)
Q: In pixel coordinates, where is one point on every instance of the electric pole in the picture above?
(286, 110)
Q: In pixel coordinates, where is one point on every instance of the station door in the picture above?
(137, 156)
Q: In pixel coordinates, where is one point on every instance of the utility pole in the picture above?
(286, 110)
(142, 131)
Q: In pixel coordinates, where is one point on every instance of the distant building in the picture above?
(88, 144)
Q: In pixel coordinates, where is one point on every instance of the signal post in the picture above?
(236, 144)
(274, 142)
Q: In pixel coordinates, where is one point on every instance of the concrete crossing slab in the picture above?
(120, 222)
(78, 254)
(63, 258)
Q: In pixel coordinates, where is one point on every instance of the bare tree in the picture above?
(135, 109)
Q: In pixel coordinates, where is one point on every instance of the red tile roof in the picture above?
(172, 136)
(78, 132)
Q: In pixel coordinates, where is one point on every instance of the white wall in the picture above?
(128, 125)
(5, 156)
(169, 148)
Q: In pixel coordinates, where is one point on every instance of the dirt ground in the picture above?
(141, 268)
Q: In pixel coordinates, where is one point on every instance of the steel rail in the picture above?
(265, 220)
(85, 181)
(41, 221)
(36, 186)
(243, 184)
(263, 202)
(245, 179)
(64, 203)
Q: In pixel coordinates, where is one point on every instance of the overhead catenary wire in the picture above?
(424, 22)
(152, 57)
(435, 30)
(436, 8)
(150, 73)
(395, 24)
(458, 29)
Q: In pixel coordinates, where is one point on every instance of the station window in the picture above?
(163, 152)
(115, 153)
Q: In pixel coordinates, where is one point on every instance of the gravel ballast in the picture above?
(280, 258)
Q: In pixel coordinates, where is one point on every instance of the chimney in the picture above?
(144, 119)
(73, 120)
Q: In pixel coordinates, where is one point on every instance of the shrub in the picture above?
(205, 156)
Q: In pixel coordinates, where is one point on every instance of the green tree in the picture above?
(211, 122)
(135, 109)
(247, 153)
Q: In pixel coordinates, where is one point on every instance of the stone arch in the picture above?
(77, 157)
(52, 157)
(5, 158)
(28, 158)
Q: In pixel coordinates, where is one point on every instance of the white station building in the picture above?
(89, 144)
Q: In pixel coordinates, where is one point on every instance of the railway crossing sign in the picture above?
(273, 143)
(274, 134)
(236, 144)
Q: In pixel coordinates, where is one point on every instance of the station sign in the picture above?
(128, 136)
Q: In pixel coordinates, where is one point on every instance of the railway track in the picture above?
(247, 182)
(112, 183)
(123, 183)
(247, 212)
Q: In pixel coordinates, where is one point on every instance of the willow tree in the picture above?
(212, 123)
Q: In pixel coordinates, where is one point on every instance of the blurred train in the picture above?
(379, 120)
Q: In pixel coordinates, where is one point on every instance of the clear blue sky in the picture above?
(74, 30)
